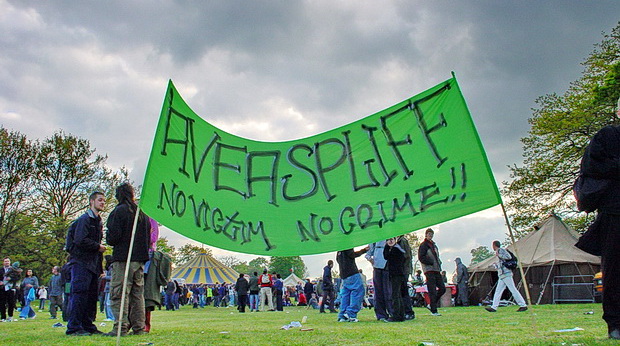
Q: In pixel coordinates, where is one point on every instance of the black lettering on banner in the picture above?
(272, 178)
(217, 228)
(406, 204)
(463, 182)
(426, 131)
(367, 222)
(341, 221)
(201, 212)
(304, 233)
(330, 225)
(186, 142)
(170, 199)
(395, 144)
(293, 161)
(247, 232)
(426, 193)
(349, 153)
(231, 223)
(217, 163)
(321, 170)
(373, 142)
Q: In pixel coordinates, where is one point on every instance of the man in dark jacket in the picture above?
(254, 289)
(327, 285)
(120, 227)
(242, 286)
(428, 254)
(396, 262)
(85, 249)
(601, 160)
(462, 278)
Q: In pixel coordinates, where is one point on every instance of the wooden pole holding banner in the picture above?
(121, 313)
(512, 239)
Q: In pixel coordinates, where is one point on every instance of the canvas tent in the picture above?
(547, 254)
(292, 280)
(204, 269)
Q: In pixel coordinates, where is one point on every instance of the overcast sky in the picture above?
(280, 70)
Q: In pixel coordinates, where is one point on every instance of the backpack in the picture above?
(69, 246)
(512, 262)
(265, 279)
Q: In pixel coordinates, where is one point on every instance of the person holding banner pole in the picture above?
(129, 234)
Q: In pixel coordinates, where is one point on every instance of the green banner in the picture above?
(415, 164)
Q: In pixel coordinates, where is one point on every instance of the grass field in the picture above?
(225, 326)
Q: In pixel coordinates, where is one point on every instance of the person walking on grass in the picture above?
(55, 292)
(505, 280)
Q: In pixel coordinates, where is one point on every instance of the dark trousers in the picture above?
(7, 302)
(83, 304)
(383, 293)
(328, 294)
(436, 288)
(242, 301)
(55, 304)
(279, 300)
(610, 225)
(399, 290)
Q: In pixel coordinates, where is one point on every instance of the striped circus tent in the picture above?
(204, 269)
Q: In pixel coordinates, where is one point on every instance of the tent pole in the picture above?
(542, 292)
(512, 239)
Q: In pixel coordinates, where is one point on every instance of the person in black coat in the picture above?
(242, 286)
(395, 256)
(601, 160)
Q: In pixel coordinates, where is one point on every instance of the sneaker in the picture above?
(353, 320)
(140, 332)
(113, 334)
(490, 309)
(321, 312)
(57, 325)
(3, 320)
(614, 334)
(343, 320)
(435, 314)
(345, 316)
(392, 320)
(409, 317)
(97, 332)
(53, 318)
(521, 309)
(10, 319)
(384, 320)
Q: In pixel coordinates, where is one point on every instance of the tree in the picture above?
(242, 267)
(258, 264)
(189, 251)
(229, 261)
(163, 246)
(16, 189)
(479, 254)
(283, 266)
(561, 127)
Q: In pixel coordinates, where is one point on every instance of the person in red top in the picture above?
(264, 281)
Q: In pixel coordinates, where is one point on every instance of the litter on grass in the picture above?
(576, 329)
(294, 324)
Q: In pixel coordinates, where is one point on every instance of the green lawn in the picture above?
(225, 326)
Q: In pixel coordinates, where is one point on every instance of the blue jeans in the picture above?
(351, 295)
(254, 302)
(27, 311)
(108, 307)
